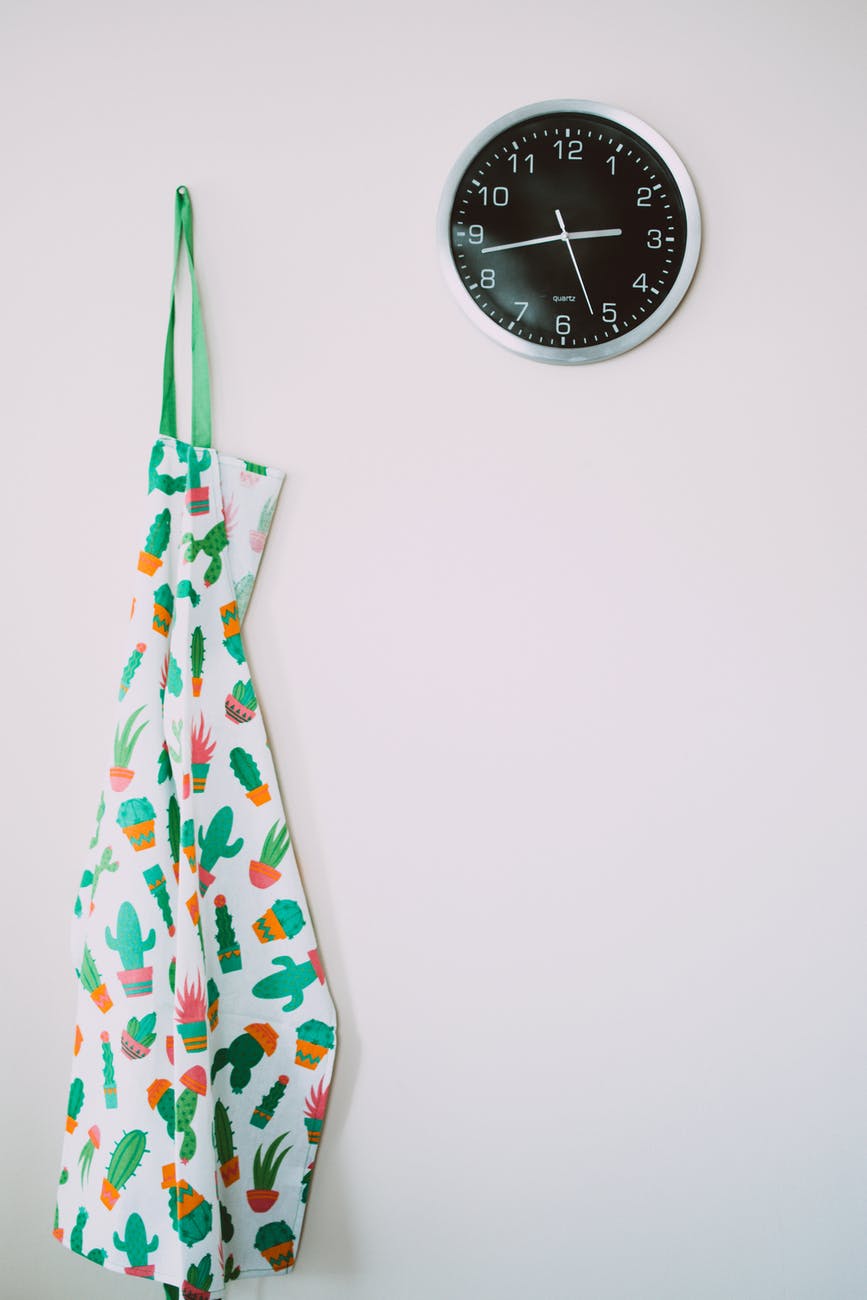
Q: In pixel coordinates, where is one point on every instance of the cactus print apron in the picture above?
(204, 1036)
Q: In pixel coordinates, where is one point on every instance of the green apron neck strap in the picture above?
(201, 422)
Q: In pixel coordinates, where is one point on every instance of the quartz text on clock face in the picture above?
(567, 230)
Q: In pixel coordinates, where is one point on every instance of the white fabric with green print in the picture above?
(205, 1031)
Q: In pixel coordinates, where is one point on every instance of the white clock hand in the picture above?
(550, 239)
(565, 238)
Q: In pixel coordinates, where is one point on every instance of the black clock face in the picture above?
(568, 230)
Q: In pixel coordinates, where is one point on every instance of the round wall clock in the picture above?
(569, 230)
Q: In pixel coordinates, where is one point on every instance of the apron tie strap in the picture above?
(201, 419)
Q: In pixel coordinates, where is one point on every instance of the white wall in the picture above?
(565, 669)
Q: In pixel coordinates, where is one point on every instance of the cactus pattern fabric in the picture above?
(205, 1032)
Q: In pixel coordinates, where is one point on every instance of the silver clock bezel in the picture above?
(597, 351)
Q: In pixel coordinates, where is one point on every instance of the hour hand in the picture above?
(565, 237)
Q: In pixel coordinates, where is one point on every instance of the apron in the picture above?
(204, 1036)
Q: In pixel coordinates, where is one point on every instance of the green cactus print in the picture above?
(174, 680)
(227, 1225)
(191, 1215)
(276, 1242)
(213, 1000)
(291, 981)
(126, 1158)
(200, 1277)
(185, 1113)
(167, 484)
(131, 668)
(75, 1103)
(186, 588)
(173, 827)
(134, 1243)
(244, 1053)
(197, 659)
(156, 883)
(217, 843)
(283, 920)
(109, 1083)
(212, 544)
(128, 942)
(202, 1008)
(188, 842)
(139, 1036)
(266, 517)
(161, 1099)
(156, 542)
(243, 592)
(231, 618)
(76, 1239)
(100, 813)
(224, 1140)
(247, 771)
(106, 862)
(242, 703)
(161, 482)
(228, 949)
(175, 751)
(264, 1112)
(164, 605)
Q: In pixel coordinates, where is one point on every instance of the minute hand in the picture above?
(550, 239)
